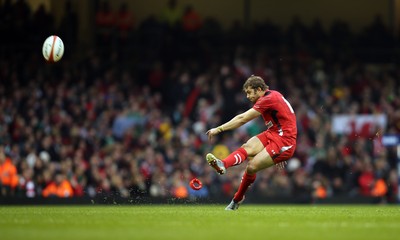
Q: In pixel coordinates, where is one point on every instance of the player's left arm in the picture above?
(235, 122)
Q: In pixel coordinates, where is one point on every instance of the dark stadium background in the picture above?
(122, 117)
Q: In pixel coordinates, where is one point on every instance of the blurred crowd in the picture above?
(128, 118)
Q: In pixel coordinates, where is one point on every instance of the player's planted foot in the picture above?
(217, 164)
(233, 205)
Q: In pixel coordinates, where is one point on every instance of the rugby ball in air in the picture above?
(53, 49)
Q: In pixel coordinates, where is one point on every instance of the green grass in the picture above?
(200, 222)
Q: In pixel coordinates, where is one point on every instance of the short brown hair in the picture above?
(255, 82)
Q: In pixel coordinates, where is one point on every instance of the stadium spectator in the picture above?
(319, 190)
(171, 15)
(191, 26)
(105, 24)
(60, 187)
(8, 175)
(179, 186)
(191, 21)
(125, 23)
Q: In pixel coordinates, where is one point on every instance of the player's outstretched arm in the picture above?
(234, 123)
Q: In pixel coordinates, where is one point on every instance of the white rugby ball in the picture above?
(53, 49)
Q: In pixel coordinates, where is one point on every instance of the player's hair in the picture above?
(255, 82)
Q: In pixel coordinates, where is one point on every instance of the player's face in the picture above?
(252, 94)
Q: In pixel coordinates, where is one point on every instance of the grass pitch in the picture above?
(203, 222)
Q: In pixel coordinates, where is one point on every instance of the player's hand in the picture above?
(212, 132)
(281, 165)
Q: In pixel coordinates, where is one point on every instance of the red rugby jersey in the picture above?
(277, 113)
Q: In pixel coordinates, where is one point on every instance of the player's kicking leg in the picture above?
(261, 161)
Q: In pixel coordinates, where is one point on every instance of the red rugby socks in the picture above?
(235, 158)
